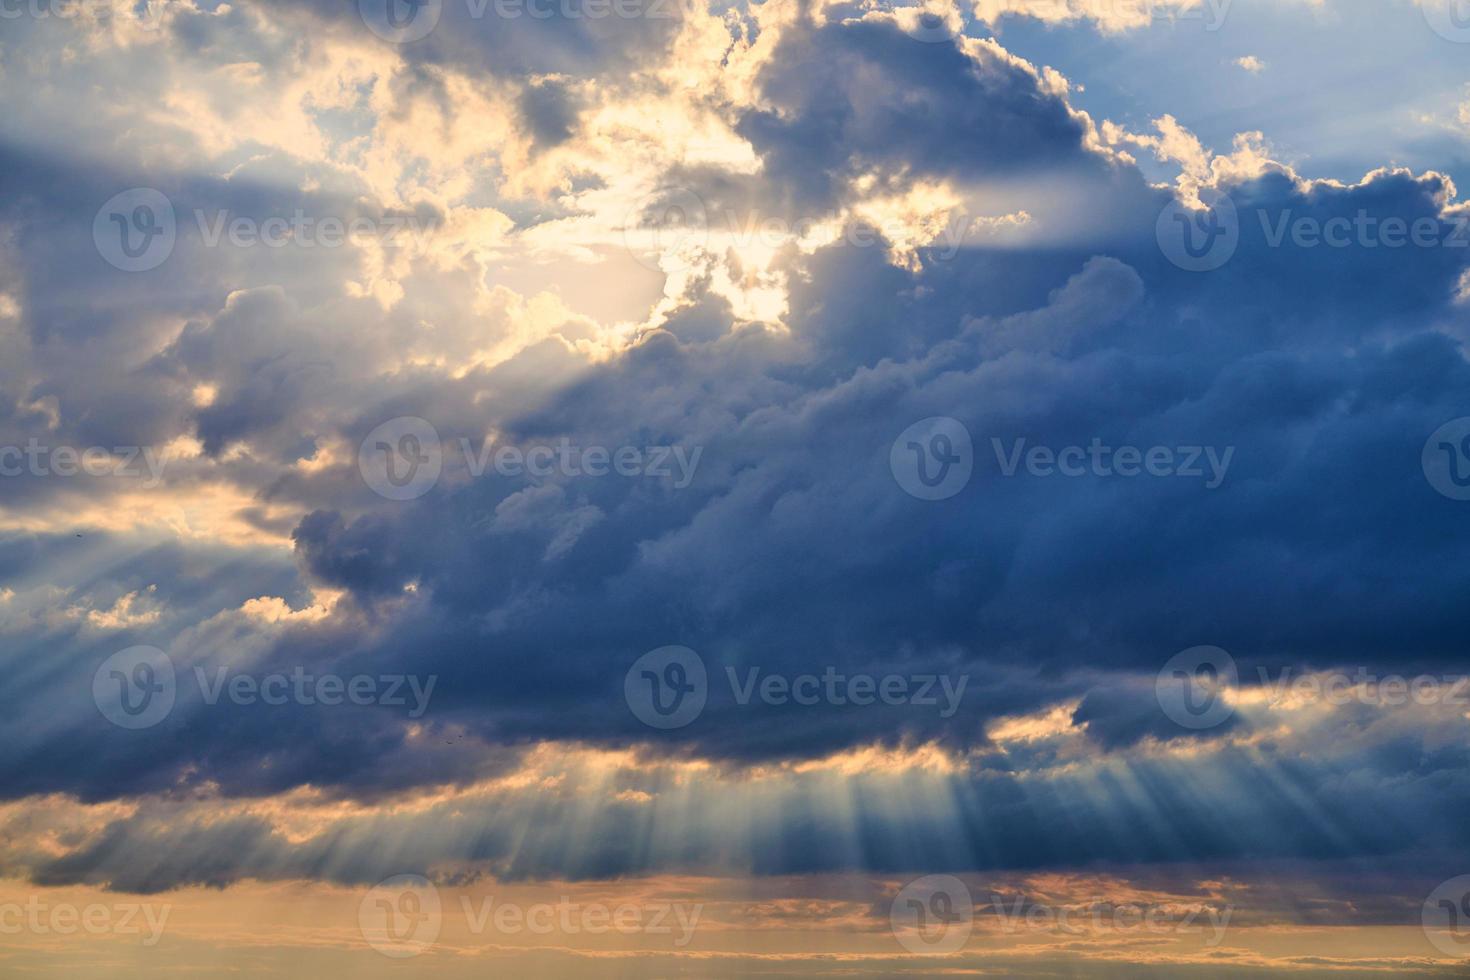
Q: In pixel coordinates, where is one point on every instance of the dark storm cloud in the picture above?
(1249, 807)
(792, 548)
(848, 97)
(551, 111)
(513, 39)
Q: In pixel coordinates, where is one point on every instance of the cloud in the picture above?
(787, 363)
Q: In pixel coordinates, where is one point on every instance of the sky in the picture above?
(663, 488)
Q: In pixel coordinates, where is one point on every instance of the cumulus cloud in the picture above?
(938, 231)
